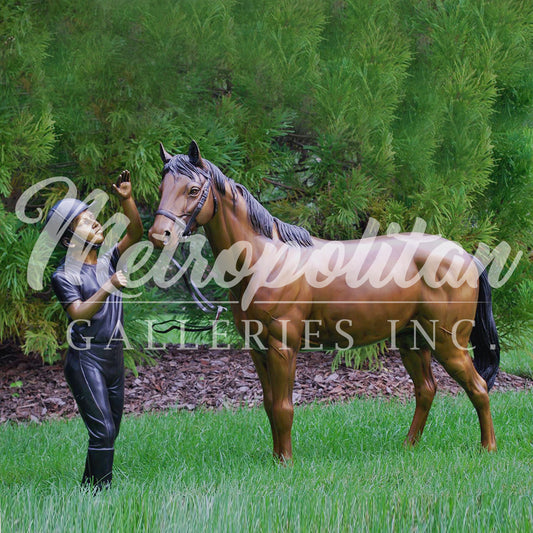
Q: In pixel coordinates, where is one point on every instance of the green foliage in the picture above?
(357, 357)
(26, 120)
(513, 308)
(329, 112)
(25, 314)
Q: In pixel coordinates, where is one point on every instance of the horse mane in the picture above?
(260, 219)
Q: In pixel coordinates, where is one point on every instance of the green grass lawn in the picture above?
(212, 471)
(518, 362)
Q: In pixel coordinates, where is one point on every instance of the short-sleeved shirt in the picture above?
(74, 280)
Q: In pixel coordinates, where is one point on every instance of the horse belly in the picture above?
(365, 317)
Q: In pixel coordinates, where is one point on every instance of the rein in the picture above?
(200, 300)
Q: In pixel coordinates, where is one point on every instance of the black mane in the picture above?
(261, 220)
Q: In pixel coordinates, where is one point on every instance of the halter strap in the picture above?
(195, 213)
(167, 214)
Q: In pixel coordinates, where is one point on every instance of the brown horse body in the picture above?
(293, 290)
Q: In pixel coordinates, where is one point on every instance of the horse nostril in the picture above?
(159, 239)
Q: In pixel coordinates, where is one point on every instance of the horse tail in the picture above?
(484, 336)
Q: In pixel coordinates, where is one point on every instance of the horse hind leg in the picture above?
(460, 366)
(418, 366)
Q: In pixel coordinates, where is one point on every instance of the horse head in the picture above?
(187, 198)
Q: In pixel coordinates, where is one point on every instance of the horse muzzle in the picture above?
(163, 234)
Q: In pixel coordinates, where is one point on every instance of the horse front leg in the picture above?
(281, 369)
(261, 368)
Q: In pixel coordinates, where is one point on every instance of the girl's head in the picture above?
(75, 223)
(85, 229)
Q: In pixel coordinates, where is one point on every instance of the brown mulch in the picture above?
(190, 378)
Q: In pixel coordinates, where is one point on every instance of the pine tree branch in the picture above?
(284, 186)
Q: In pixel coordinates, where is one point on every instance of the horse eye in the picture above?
(194, 191)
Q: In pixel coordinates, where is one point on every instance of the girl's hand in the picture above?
(123, 185)
(119, 280)
(116, 282)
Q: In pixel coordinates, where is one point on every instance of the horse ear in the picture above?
(165, 156)
(194, 155)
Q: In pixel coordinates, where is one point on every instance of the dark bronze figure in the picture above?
(88, 286)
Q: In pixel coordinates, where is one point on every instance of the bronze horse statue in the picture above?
(296, 288)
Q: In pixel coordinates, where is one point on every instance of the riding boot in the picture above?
(100, 467)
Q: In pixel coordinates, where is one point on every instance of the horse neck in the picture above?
(231, 225)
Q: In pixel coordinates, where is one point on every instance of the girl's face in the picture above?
(87, 228)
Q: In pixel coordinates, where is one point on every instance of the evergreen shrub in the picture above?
(330, 112)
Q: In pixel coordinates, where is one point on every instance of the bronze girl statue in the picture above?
(88, 286)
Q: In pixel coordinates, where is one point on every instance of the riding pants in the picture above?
(96, 378)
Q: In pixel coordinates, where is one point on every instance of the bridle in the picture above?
(194, 214)
(201, 301)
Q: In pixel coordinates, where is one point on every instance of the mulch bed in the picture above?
(192, 378)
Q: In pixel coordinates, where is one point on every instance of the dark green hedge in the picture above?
(331, 112)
